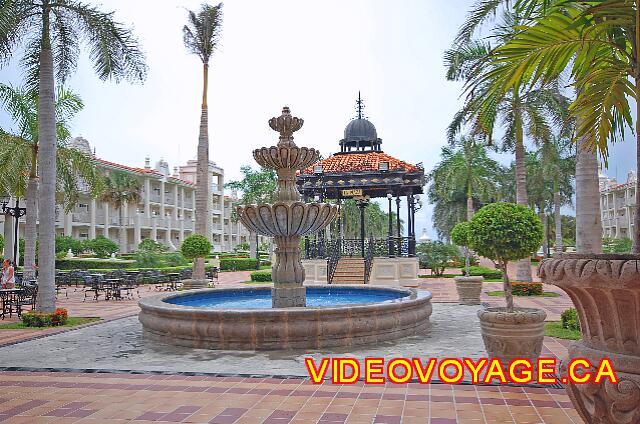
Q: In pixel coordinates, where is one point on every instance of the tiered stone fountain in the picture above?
(288, 219)
(287, 316)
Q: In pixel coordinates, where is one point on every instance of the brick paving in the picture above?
(118, 398)
(69, 397)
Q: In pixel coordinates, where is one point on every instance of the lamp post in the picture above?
(415, 204)
(16, 212)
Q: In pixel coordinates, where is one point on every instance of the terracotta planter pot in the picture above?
(511, 335)
(469, 289)
(605, 290)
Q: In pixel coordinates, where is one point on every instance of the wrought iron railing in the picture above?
(368, 259)
(321, 248)
(334, 252)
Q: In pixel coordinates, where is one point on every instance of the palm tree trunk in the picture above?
(588, 219)
(557, 216)
(122, 242)
(202, 175)
(469, 207)
(30, 231)
(635, 234)
(523, 272)
(47, 168)
(545, 240)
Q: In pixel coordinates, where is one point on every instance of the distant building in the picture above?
(618, 206)
(165, 212)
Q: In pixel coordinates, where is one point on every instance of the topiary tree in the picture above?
(460, 236)
(150, 245)
(505, 232)
(194, 247)
(435, 255)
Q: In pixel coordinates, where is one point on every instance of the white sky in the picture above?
(311, 56)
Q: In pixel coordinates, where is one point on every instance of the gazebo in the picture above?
(362, 171)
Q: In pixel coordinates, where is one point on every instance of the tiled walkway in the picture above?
(66, 397)
(116, 398)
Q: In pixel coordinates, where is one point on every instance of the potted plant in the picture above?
(508, 232)
(468, 287)
(196, 247)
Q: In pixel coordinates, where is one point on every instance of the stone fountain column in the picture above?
(289, 218)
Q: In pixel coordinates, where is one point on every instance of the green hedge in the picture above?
(261, 276)
(488, 273)
(85, 264)
(238, 264)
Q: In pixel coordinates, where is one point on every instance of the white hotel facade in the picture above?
(618, 206)
(165, 212)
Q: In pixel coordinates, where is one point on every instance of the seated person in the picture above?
(7, 277)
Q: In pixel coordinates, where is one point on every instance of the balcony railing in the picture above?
(318, 248)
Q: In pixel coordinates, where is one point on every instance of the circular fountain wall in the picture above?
(243, 319)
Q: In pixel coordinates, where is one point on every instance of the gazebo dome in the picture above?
(360, 129)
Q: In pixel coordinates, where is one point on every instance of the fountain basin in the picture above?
(287, 219)
(374, 314)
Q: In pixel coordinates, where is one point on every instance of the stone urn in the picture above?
(605, 290)
(469, 289)
(511, 335)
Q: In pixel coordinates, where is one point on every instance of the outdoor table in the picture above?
(112, 286)
(174, 277)
(8, 301)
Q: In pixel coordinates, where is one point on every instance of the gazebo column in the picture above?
(390, 233)
(411, 229)
(398, 235)
(362, 205)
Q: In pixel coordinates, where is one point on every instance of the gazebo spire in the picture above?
(359, 105)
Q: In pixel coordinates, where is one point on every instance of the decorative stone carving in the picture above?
(605, 290)
(469, 289)
(511, 335)
(288, 218)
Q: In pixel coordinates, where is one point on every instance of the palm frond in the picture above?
(202, 33)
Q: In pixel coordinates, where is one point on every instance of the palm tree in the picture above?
(532, 114)
(596, 44)
(120, 190)
(201, 36)
(469, 168)
(50, 32)
(19, 154)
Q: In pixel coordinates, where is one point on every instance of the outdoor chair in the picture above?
(93, 285)
(26, 298)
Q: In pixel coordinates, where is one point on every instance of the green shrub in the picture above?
(101, 246)
(435, 255)
(64, 243)
(570, 319)
(244, 246)
(616, 245)
(487, 273)
(527, 289)
(460, 236)
(505, 232)
(88, 264)
(195, 246)
(152, 246)
(238, 264)
(147, 259)
(174, 259)
(261, 276)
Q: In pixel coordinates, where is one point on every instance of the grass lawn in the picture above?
(500, 293)
(554, 329)
(71, 322)
(492, 280)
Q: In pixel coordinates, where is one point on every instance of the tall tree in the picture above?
(466, 169)
(531, 114)
(19, 154)
(201, 36)
(256, 186)
(596, 44)
(51, 32)
(120, 190)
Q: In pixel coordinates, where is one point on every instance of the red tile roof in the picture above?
(359, 162)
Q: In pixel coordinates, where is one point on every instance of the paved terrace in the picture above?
(165, 394)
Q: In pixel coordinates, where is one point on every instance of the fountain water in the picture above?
(288, 218)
